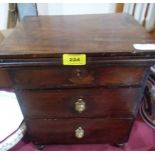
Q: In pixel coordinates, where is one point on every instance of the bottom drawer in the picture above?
(79, 131)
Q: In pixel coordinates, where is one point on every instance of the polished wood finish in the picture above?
(96, 131)
(5, 81)
(100, 102)
(110, 85)
(44, 36)
(32, 78)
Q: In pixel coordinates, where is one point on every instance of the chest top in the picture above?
(108, 35)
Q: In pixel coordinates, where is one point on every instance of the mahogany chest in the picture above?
(78, 79)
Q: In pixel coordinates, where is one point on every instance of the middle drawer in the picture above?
(65, 103)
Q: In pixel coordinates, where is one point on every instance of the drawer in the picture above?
(79, 131)
(94, 102)
(58, 77)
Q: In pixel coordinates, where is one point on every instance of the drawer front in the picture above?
(72, 76)
(95, 102)
(79, 131)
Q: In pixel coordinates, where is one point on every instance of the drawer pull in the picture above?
(79, 132)
(80, 105)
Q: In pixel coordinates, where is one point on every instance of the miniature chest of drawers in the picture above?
(94, 101)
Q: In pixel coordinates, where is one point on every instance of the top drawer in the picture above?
(48, 77)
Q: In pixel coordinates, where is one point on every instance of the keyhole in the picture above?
(78, 72)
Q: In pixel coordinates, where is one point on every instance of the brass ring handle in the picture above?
(79, 132)
(80, 105)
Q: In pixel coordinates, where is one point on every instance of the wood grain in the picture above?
(59, 77)
(97, 131)
(111, 83)
(100, 102)
(44, 36)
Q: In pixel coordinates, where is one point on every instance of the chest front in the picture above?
(94, 101)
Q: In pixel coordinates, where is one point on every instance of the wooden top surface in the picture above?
(47, 36)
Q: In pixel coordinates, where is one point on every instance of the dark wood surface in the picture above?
(49, 36)
(5, 80)
(100, 102)
(59, 77)
(62, 131)
(111, 83)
